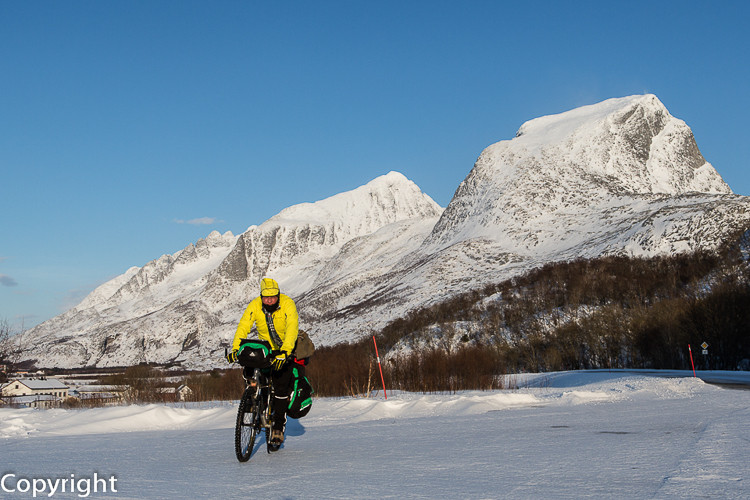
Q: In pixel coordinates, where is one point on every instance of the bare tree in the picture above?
(4, 347)
(9, 350)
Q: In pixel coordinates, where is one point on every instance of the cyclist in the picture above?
(276, 319)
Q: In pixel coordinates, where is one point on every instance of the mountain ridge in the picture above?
(621, 177)
(117, 320)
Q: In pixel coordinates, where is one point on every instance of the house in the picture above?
(33, 387)
(184, 393)
(180, 393)
(38, 393)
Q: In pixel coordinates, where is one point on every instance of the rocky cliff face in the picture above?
(619, 177)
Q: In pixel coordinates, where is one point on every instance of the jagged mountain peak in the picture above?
(304, 234)
(216, 236)
(568, 162)
(628, 144)
(392, 193)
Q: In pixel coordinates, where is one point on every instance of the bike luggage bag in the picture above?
(304, 347)
(300, 401)
(254, 353)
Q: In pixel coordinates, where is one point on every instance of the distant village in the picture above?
(24, 389)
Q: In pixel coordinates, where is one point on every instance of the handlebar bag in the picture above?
(254, 353)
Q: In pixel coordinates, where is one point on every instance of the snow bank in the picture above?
(589, 434)
(534, 390)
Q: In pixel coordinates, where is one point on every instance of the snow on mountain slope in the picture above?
(104, 321)
(184, 307)
(631, 143)
(305, 235)
(618, 177)
(574, 162)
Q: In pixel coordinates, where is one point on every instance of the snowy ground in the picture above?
(562, 435)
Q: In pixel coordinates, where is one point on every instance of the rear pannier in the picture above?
(300, 401)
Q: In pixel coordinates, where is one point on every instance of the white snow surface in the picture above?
(588, 434)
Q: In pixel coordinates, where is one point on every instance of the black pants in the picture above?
(282, 386)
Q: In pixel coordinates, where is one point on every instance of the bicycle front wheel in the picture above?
(247, 427)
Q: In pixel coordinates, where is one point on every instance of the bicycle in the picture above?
(254, 413)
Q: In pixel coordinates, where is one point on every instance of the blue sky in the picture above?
(129, 129)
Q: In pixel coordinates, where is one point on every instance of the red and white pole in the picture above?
(691, 359)
(382, 380)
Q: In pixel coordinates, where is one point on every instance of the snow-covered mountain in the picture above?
(185, 307)
(590, 159)
(619, 177)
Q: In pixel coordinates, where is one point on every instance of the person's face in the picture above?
(269, 301)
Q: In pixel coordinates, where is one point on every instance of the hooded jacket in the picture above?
(285, 322)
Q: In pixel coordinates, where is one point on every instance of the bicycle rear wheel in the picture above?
(247, 426)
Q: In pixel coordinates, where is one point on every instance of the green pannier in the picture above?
(300, 401)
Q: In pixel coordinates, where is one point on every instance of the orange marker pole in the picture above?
(691, 359)
(382, 380)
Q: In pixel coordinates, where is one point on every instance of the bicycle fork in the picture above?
(265, 391)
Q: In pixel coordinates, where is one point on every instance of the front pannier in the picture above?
(254, 353)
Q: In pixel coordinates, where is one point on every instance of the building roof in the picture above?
(43, 384)
(90, 388)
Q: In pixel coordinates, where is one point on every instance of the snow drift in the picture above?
(560, 435)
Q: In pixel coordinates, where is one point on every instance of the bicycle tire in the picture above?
(246, 427)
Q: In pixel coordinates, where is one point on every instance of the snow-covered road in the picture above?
(595, 435)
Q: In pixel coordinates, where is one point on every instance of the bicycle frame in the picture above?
(254, 413)
(263, 394)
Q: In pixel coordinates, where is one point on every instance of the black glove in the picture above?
(279, 360)
(232, 356)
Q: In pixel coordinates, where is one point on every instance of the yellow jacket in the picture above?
(285, 321)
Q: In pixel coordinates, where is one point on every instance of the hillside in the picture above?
(618, 178)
